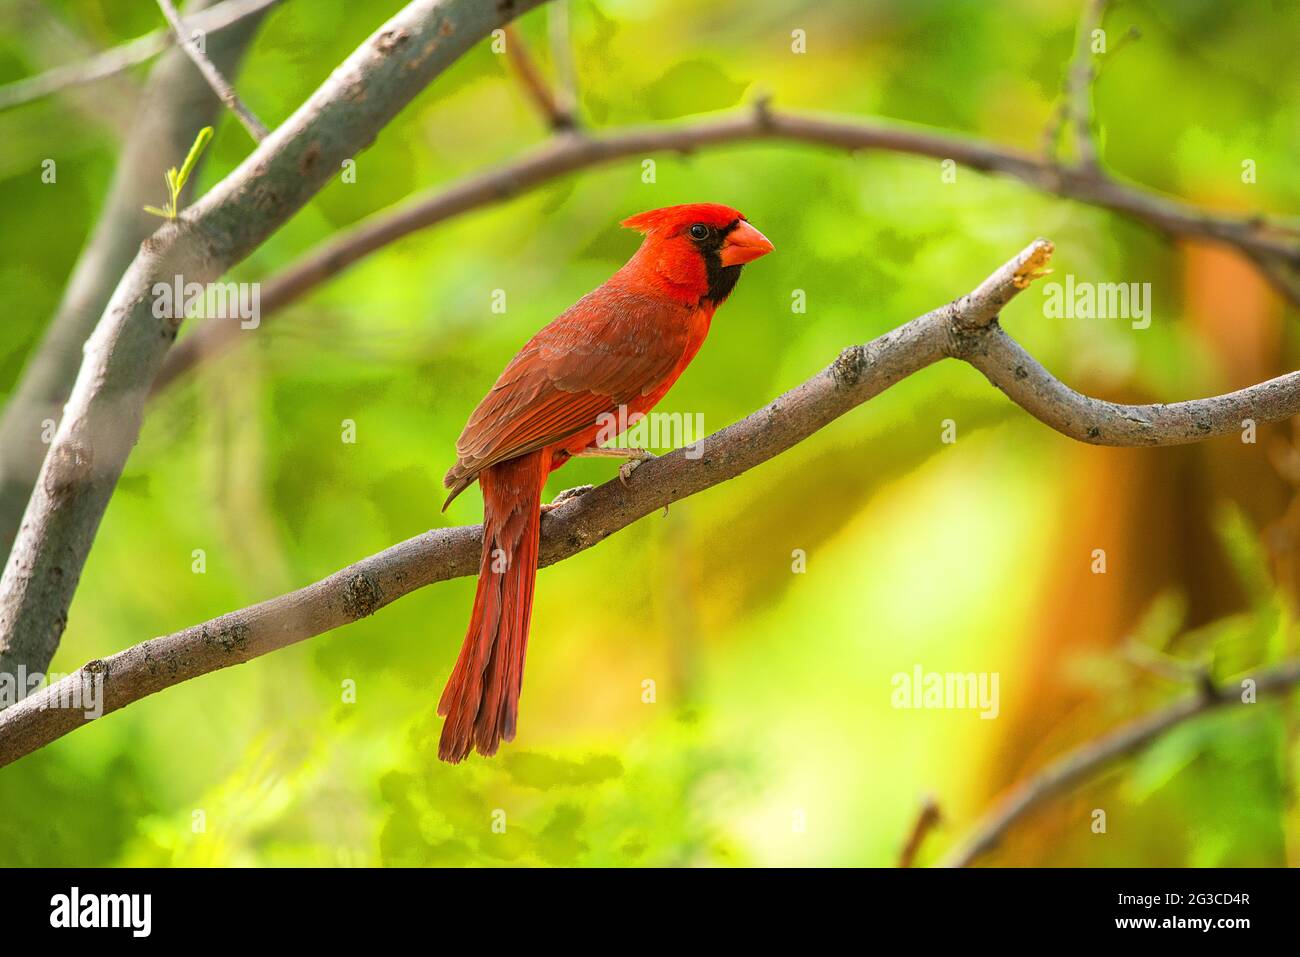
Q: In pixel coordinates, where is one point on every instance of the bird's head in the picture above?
(694, 252)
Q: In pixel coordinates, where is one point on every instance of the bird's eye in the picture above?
(699, 231)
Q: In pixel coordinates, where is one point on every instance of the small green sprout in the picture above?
(176, 179)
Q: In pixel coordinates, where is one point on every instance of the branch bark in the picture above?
(1277, 253)
(1086, 760)
(212, 74)
(965, 329)
(176, 105)
(122, 357)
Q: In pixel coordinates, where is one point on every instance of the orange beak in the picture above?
(744, 244)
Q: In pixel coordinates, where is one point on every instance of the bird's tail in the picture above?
(481, 700)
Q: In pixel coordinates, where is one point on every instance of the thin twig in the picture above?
(121, 58)
(1081, 77)
(1079, 80)
(530, 77)
(927, 819)
(1165, 667)
(965, 329)
(1085, 761)
(1283, 273)
(560, 41)
(220, 85)
(49, 40)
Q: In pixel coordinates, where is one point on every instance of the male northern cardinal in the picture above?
(614, 353)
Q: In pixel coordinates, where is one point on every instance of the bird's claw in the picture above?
(631, 465)
(568, 495)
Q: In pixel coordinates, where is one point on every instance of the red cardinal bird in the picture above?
(618, 349)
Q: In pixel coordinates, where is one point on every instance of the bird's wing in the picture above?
(604, 351)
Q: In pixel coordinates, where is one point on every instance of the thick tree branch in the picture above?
(212, 74)
(121, 58)
(122, 357)
(966, 329)
(572, 152)
(176, 105)
(1083, 762)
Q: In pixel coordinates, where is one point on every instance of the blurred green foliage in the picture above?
(770, 739)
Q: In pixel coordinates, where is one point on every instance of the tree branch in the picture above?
(1084, 761)
(219, 84)
(965, 329)
(572, 152)
(1079, 81)
(535, 86)
(123, 57)
(49, 39)
(122, 357)
(176, 105)
(560, 43)
(927, 819)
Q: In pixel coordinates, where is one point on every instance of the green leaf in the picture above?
(176, 178)
(192, 157)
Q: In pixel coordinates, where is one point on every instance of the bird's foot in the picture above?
(568, 495)
(635, 458)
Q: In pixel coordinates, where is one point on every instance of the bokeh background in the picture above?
(771, 740)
